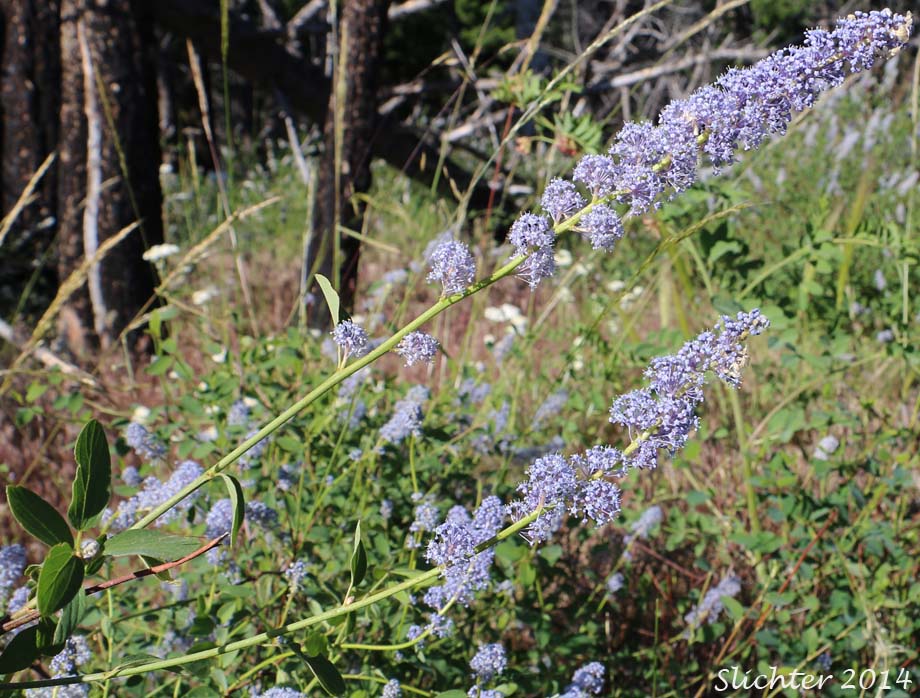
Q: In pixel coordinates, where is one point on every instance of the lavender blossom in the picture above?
(453, 265)
(18, 600)
(454, 547)
(602, 226)
(649, 162)
(131, 477)
(407, 417)
(614, 583)
(539, 265)
(488, 662)
(662, 417)
(549, 408)
(238, 414)
(531, 231)
(642, 527)
(417, 347)
(351, 338)
(12, 565)
(281, 692)
(295, 573)
(708, 610)
(587, 679)
(391, 689)
(219, 520)
(561, 199)
(145, 444)
(426, 519)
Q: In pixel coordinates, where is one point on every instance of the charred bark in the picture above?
(348, 136)
(29, 90)
(108, 103)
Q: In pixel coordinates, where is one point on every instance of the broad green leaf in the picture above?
(332, 298)
(152, 543)
(70, 617)
(37, 516)
(59, 580)
(44, 640)
(92, 482)
(239, 505)
(21, 652)
(326, 673)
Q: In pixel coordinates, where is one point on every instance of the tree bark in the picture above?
(108, 102)
(28, 118)
(349, 135)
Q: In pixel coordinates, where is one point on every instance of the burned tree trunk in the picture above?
(109, 157)
(349, 134)
(28, 116)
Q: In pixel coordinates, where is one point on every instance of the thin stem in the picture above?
(268, 635)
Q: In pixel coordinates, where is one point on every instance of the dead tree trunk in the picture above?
(108, 162)
(349, 133)
(30, 66)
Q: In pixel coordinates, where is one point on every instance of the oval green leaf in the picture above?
(239, 505)
(326, 673)
(70, 617)
(59, 580)
(332, 298)
(150, 543)
(37, 516)
(93, 479)
(21, 652)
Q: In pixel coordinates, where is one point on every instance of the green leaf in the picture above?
(70, 617)
(239, 505)
(152, 543)
(326, 673)
(202, 692)
(332, 298)
(92, 482)
(21, 652)
(44, 640)
(59, 580)
(38, 517)
(358, 559)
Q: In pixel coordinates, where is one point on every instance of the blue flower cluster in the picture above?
(711, 605)
(12, 564)
(453, 546)
(488, 662)
(391, 689)
(407, 417)
(145, 444)
(76, 652)
(586, 680)
(662, 416)
(648, 163)
(452, 263)
(417, 347)
(153, 493)
(351, 338)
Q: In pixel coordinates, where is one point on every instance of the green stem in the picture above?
(330, 382)
(280, 631)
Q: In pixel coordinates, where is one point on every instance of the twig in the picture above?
(25, 198)
(109, 583)
(410, 7)
(643, 74)
(48, 358)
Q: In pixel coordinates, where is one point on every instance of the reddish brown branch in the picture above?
(12, 624)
